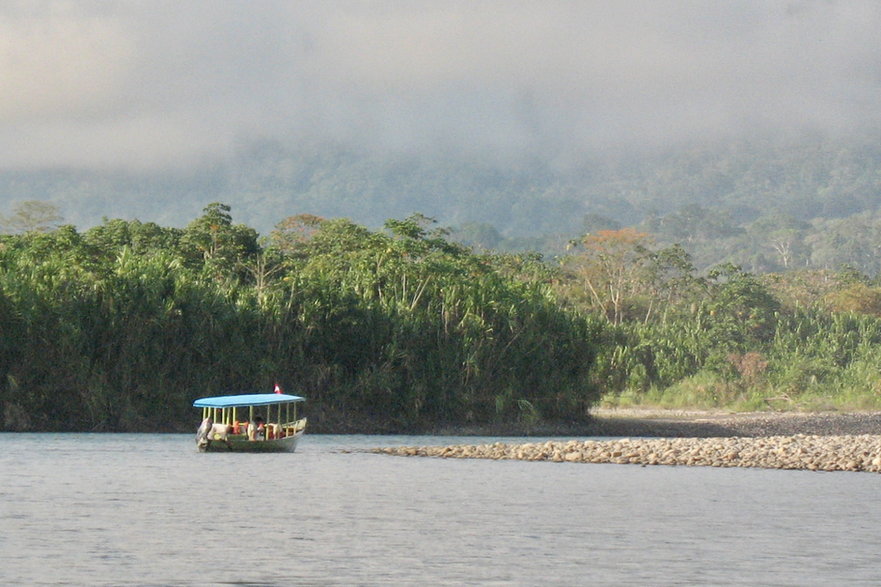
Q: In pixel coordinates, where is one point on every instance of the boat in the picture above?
(255, 422)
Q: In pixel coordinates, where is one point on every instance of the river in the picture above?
(140, 509)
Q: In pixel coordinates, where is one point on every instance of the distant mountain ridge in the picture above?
(810, 179)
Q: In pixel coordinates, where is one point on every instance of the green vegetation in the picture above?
(798, 340)
(120, 327)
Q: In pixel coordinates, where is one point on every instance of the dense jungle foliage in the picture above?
(805, 339)
(121, 326)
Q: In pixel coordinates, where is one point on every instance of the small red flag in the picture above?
(277, 388)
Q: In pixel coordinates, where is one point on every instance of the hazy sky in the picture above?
(157, 83)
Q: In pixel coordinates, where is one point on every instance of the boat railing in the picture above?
(294, 427)
(272, 430)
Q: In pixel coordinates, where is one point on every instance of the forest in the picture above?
(402, 329)
(766, 203)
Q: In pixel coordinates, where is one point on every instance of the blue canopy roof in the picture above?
(248, 399)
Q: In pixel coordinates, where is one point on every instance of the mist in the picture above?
(165, 85)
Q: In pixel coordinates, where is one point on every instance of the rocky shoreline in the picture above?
(816, 442)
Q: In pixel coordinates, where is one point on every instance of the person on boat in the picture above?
(209, 431)
(202, 434)
(258, 428)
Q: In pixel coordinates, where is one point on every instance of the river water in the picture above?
(131, 509)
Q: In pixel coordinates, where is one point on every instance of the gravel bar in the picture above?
(815, 453)
(816, 442)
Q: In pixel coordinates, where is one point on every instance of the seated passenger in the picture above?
(257, 430)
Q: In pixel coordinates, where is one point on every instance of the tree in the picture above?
(112, 235)
(32, 216)
(670, 277)
(855, 241)
(221, 245)
(856, 297)
(784, 234)
(808, 288)
(609, 268)
(742, 308)
(293, 232)
(695, 223)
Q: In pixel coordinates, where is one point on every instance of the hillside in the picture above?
(768, 204)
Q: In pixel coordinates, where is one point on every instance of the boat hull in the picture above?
(242, 444)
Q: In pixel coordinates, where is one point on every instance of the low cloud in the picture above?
(163, 84)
